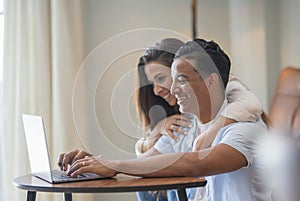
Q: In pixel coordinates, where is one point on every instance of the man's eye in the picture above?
(181, 80)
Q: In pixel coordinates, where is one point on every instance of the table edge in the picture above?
(110, 189)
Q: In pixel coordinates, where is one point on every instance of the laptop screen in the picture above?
(37, 145)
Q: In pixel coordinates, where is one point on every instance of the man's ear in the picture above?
(212, 80)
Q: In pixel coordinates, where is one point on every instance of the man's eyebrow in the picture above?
(181, 75)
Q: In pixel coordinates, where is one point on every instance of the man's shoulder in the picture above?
(245, 124)
(245, 128)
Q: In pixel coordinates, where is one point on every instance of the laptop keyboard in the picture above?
(59, 175)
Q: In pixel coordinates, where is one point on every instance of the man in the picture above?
(200, 74)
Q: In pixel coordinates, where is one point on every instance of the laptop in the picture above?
(39, 156)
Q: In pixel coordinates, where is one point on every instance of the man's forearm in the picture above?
(164, 165)
(222, 158)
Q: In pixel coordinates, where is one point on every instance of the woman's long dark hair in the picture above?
(151, 108)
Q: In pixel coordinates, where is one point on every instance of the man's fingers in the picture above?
(60, 160)
(80, 155)
(80, 170)
(77, 157)
(77, 165)
(68, 159)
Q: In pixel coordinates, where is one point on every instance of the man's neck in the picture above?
(209, 113)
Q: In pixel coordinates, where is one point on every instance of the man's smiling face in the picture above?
(190, 89)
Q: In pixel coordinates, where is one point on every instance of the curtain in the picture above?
(43, 51)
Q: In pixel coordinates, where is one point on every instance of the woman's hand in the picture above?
(69, 158)
(177, 122)
(94, 164)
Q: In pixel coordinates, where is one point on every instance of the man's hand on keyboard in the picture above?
(71, 157)
(94, 164)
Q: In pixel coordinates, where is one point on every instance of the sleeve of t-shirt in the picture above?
(243, 137)
(163, 145)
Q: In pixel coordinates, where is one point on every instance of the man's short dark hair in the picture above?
(208, 58)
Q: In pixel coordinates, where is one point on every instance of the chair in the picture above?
(284, 116)
(284, 112)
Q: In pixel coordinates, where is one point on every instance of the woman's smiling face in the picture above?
(160, 76)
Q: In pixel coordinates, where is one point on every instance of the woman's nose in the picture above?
(157, 89)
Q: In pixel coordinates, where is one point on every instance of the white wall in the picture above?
(106, 18)
(260, 36)
(248, 45)
(289, 32)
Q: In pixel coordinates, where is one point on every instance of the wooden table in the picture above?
(120, 183)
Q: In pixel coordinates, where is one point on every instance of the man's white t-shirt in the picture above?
(244, 184)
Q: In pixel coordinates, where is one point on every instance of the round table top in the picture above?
(120, 183)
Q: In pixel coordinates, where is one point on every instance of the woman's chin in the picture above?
(172, 102)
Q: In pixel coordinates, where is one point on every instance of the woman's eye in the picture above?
(161, 79)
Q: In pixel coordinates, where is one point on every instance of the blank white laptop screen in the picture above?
(38, 153)
(37, 146)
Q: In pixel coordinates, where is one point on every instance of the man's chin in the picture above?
(187, 110)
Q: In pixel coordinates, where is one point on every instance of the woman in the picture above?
(157, 108)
